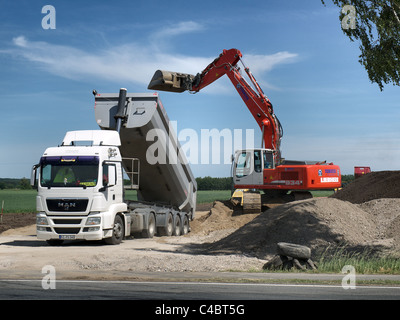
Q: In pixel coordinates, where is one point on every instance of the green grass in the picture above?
(202, 195)
(322, 193)
(205, 196)
(364, 262)
(17, 201)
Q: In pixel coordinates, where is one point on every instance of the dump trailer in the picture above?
(82, 183)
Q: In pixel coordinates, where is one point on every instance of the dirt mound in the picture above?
(222, 216)
(317, 223)
(374, 185)
(386, 214)
(17, 220)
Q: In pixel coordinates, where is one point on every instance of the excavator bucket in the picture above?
(171, 81)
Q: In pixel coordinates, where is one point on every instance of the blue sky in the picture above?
(305, 64)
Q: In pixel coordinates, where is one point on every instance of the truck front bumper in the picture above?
(69, 228)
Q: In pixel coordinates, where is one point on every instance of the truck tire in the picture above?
(294, 250)
(168, 228)
(185, 225)
(151, 227)
(118, 232)
(177, 226)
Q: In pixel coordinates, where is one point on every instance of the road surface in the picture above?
(151, 290)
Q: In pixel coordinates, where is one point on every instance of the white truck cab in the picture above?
(80, 187)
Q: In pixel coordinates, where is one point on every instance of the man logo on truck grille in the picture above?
(66, 205)
(72, 205)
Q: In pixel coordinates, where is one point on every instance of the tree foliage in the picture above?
(7, 183)
(209, 183)
(378, 30)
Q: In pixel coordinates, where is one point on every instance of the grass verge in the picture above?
(364, 262)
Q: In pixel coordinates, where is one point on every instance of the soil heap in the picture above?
(374, 185)
(365, 215)
(222, 216)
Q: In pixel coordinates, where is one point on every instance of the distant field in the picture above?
(18, 200)
(25, 200)
(205, 196)
(202, 196)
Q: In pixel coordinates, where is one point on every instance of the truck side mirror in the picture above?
(34, 175)
(112, 175)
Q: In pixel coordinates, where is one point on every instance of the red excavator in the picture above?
(260, 168)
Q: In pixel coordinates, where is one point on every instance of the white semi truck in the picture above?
(81, 185)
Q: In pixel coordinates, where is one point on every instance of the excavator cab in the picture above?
(249, 165)
(247, 174)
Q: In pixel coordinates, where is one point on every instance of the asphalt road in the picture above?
(143, 290)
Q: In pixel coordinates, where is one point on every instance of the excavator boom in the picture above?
(254, 98)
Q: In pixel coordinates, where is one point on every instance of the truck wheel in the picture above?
(185, 225)
(151, 227)
(118, 232)
(177, 226)
(169, 228)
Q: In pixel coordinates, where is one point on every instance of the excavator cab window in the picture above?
(243, 164)
(268, 160)
(257, 161)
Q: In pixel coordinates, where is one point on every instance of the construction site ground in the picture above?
(363, 216)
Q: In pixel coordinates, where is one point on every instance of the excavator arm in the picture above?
(254, 98)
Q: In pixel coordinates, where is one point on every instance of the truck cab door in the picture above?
(109, 181)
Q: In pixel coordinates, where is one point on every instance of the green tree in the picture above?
(209, 183)
(377, 27)
(24, 184)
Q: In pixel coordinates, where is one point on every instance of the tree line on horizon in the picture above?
(10, 183)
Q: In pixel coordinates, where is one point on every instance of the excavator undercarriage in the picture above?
(255, 202)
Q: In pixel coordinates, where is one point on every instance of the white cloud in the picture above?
(133, 62)
(20, 41)
(265, 63)
(179, 28)
(129, 62)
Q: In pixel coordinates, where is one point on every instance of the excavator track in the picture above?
(251, 202)
(301, 195)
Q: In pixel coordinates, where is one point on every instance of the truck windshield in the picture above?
(79, 171)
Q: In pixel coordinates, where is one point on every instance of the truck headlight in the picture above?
(93, 221)
(42, 221)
